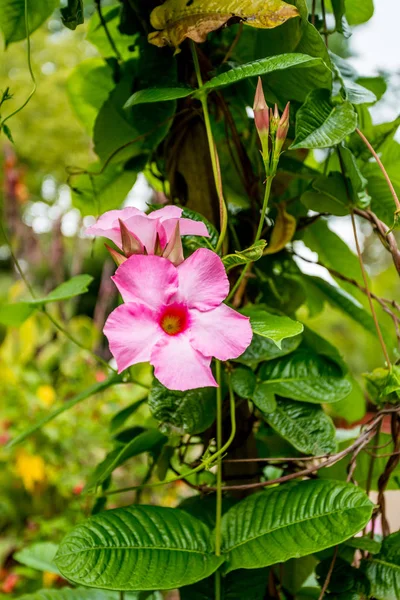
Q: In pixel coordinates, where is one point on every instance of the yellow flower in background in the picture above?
(46, 394)
(31, 469)
(49, 579)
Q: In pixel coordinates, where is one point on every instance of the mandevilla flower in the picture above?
(137, 233)
(173, 317)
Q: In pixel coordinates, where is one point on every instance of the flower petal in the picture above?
(203, 283)
(108, 226)
(167, 212)
(179, 366)
(132, 331)
(145, 229)
(150, 280)
(186, 227)
(221, 332)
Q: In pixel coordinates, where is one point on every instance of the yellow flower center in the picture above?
(174, 319)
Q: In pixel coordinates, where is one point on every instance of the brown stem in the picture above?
(382, 168)
(329, 574)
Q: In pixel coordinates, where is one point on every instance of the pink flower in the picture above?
(146, 227)
(173, 317)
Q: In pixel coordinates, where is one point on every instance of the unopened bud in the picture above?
(173, 250)
(274, 120)
(283, 126)
(130, 243)
(157, 246)
(118, 258)
(261, 118)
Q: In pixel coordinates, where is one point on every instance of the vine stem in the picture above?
(33, 90)
(382, 168)
(206, 464)
(213, 151)
(219, 463)
(258, 235)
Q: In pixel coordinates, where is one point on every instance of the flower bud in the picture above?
(173, 251)
(261, 118)
(274, 120)
(130, 243)
(281, 132)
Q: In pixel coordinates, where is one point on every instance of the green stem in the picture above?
(206, 464)
(213, 152)
(219, 463)
(28, 41)
(258, 235)
(217, 588)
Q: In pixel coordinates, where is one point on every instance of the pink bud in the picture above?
(260, 107)
(283, 126)
(173, 250)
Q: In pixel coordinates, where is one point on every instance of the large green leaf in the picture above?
(359, 12)
(138, 548)
(185, 412)
(383, 570)
(39, 556)
(273, 327)
(262, 348)
(12, 17)
(158, 94)
(321, 124)
(306, 376)
(303, 425)
(292, 521)
(88, 88)
(144, 442)
(320, 72)
(328, 194)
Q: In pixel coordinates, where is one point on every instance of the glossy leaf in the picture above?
(320, 124)
(151, 95)
(12, 17)
(273, 327)
(193, 242)
(244, 382)
(178, 19)
(358, 183)
(185, 412)
(359, 12)
(306, 376)
(264, 398)
(138, 548)
(262, 348)
(365, 543)
(144, 442)
(68, 289)
(303, 425)
(39, 556)
(292, 521)
(383, 570)
(264, 66)
(72, 14)
(244, 257)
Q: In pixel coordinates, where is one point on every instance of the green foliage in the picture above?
(383, 569)
(321, 124)
(112, 550)
(257, 532)
(12, 18)
(182, 412)
(244, 256)
(273, 327)
(39, 556)
(305, 376)
(72, 14)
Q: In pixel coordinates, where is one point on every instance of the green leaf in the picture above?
(365, 543)
(320, 202)
(321, 124)
(121, 416)
(39, 556)
(68, 289)
(88, 88)
(13, 315)
(72, 14)
(12, 17)
(94, 389)
(262, 348)
(320, 72)
(292, 521)
(377, 85)
(182, 412)
(305, 376)
(114, 550)
(382, 203)
(358, 94)
(158, 94)
(144, 442)
(243, 382)
(96, 35)
(383, 570)
(333, 195)
(383, 384)
(359, 12)
(358, 183)
(244, 257)
(273, 327)
(237, 585)
(193, 242)
(342, 300)
(303, 425)
(264, 398)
